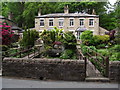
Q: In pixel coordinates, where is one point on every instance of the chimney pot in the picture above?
(66, 9)
(39, 12)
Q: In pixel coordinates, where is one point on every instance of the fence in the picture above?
(101, 62)
(22, 52)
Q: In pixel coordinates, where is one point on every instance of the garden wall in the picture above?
(114, 71)
(54, 69)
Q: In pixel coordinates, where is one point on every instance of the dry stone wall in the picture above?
(55, 69)
(114, 71)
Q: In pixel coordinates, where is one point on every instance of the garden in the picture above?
(54, 44)
(100, 49)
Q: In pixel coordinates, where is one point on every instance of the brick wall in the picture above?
(114, 71)
(54, 69)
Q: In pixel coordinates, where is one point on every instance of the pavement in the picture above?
(8, 82)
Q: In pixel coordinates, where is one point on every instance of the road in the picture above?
(25, 83)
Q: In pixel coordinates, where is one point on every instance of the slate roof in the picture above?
(66, 15)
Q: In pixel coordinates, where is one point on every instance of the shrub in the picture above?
(100, 39)
(115, 56)
(101, 46)
(29, 37)
(104, 52)
(68, 54)
(85, 49)
(6, 33)
(87, 37)
(69, 41)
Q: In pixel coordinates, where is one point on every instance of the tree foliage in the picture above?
(29, 37)
(24, 12)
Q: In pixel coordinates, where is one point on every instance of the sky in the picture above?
(112, 1)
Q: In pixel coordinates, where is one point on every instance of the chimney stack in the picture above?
(66, 9)
(39, 12)
(93, 12)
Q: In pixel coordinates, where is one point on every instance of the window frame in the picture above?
(89, 22)
(43, 22)
(59, 22)
(70, 22)
(52, 22)
(83, 22)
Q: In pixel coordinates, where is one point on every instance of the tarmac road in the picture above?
(8, 82)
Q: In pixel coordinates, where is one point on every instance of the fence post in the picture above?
(107, 67)
(85, 65)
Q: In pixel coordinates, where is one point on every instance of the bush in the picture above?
(104, 52)
(100, 39)
(100, 46)
(69, 41)
(85, 49)
(5, 33)
(29, 37)
(87, 37)
(68, 54)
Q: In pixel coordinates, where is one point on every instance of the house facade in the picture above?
(74, 22)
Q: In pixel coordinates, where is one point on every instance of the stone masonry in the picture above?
(54, 69)
(114, 71)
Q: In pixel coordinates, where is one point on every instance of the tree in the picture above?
(118, 21)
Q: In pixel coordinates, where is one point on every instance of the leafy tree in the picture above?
(118, 21)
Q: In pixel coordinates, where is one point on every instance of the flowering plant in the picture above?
(5, 33)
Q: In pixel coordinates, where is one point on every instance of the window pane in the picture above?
(42, 22)
(60, 22)
(81, 22)
(71, 22)
(50, 22)
(91, 22)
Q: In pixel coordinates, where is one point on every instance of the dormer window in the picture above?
(51, 22)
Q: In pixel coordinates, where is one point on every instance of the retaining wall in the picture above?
(114, 70)
(54, 69)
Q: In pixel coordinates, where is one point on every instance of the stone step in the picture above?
(97, 79)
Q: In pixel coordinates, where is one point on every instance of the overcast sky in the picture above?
(112, 1)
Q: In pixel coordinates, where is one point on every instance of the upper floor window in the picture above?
(41, 22)
(81, 22)
(91, 22)
(61, 22)
(50, 22)
(71, 22)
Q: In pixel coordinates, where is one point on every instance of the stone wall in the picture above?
(54, 69)
(114, 71)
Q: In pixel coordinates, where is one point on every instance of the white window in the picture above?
(71, 22)
(81, 22)
(50, 22)
(91, 22)
(61, 22)
(41, 22)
